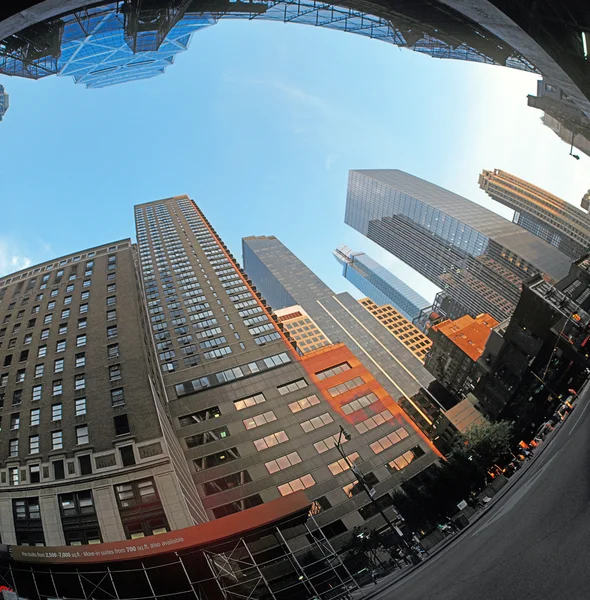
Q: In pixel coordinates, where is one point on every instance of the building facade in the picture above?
(379, 284)
(252, 416)
(457, 346)
(554, 220)
(402, 329)
(4, 100)
(284, 279)
(303, 330)
(85, 455)
(475, 256)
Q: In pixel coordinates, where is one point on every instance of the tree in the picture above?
(488, 442)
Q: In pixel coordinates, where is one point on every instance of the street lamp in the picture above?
(572, 147)
(361, 479)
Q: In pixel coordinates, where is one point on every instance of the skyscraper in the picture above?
(554, 220)
(379, 284)
(283, 278)
(4, 98)
(255, 420)
(303, 330)
(478, 258)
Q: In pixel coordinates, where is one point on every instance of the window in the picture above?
(86, 283)
(250, 401)
(317, 422)
(271, 440)
(81, 340)
(28, 338)
(113, 351)
(57, 387)
(20, 375)
(65, 313)
(14, 420)
(198, 417)
(56, 412)
(301, 483)
(389, 440)
(80, 406)
(58, 365)
(333, 371)
(111, 315)
(41, 352)
(343, 465)
(358, 403)
(82, 434)
(303, 403)
(258, 420)
(17, 397)
(13, 476)
(57, 441)
(80, 382)
(58, 467)
(82, 323)
(117, 397)
(218, 458)
(80, 359)
(402, 461)
(13, 448)
(111, 300)
(111, 287)
(34, 444)
(83, 308)
(39, 369)
(228, 482)
(35, 416)
(114, 372)
(291, 387)
(344, 387)
(112, 331)
(34, 473)
(284, 462)
(44, 334)
(85, 295)
(47, 319)
(63, 328)
(121, 424)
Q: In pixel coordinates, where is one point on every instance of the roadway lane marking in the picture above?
(579, 418)
(517, 496)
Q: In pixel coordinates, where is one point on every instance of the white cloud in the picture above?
(12, 257)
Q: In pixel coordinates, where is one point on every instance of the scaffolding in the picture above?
(291, 559)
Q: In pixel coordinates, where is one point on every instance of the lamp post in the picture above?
(361, 479)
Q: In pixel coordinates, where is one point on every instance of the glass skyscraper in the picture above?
(284, 280)
(379, 284)
(554, 220)
(477, 258)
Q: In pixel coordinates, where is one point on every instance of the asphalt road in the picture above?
(533, 543)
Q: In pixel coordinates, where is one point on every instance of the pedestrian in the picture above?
(374, 576)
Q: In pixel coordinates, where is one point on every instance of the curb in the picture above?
(448, 541)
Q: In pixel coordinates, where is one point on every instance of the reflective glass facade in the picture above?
(476, 257)
(379, 284)
(125, 41)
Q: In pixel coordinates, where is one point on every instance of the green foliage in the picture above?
(488, 442)
(433, 494)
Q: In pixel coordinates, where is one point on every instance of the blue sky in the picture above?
(259, 122)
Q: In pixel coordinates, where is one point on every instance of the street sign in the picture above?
(372, 492)
(462, 505)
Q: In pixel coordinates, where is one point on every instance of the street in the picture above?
(533, 543)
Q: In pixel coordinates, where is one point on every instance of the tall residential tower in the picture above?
(478, 258)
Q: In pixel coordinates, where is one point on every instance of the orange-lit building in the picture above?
(403, 330)
(302, 328)
(457, 347)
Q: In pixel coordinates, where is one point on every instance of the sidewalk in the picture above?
(370, 590)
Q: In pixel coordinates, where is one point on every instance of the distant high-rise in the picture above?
(379, 284)
(4, 97)
(284, 280)
(478, 258)
(554, 220)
